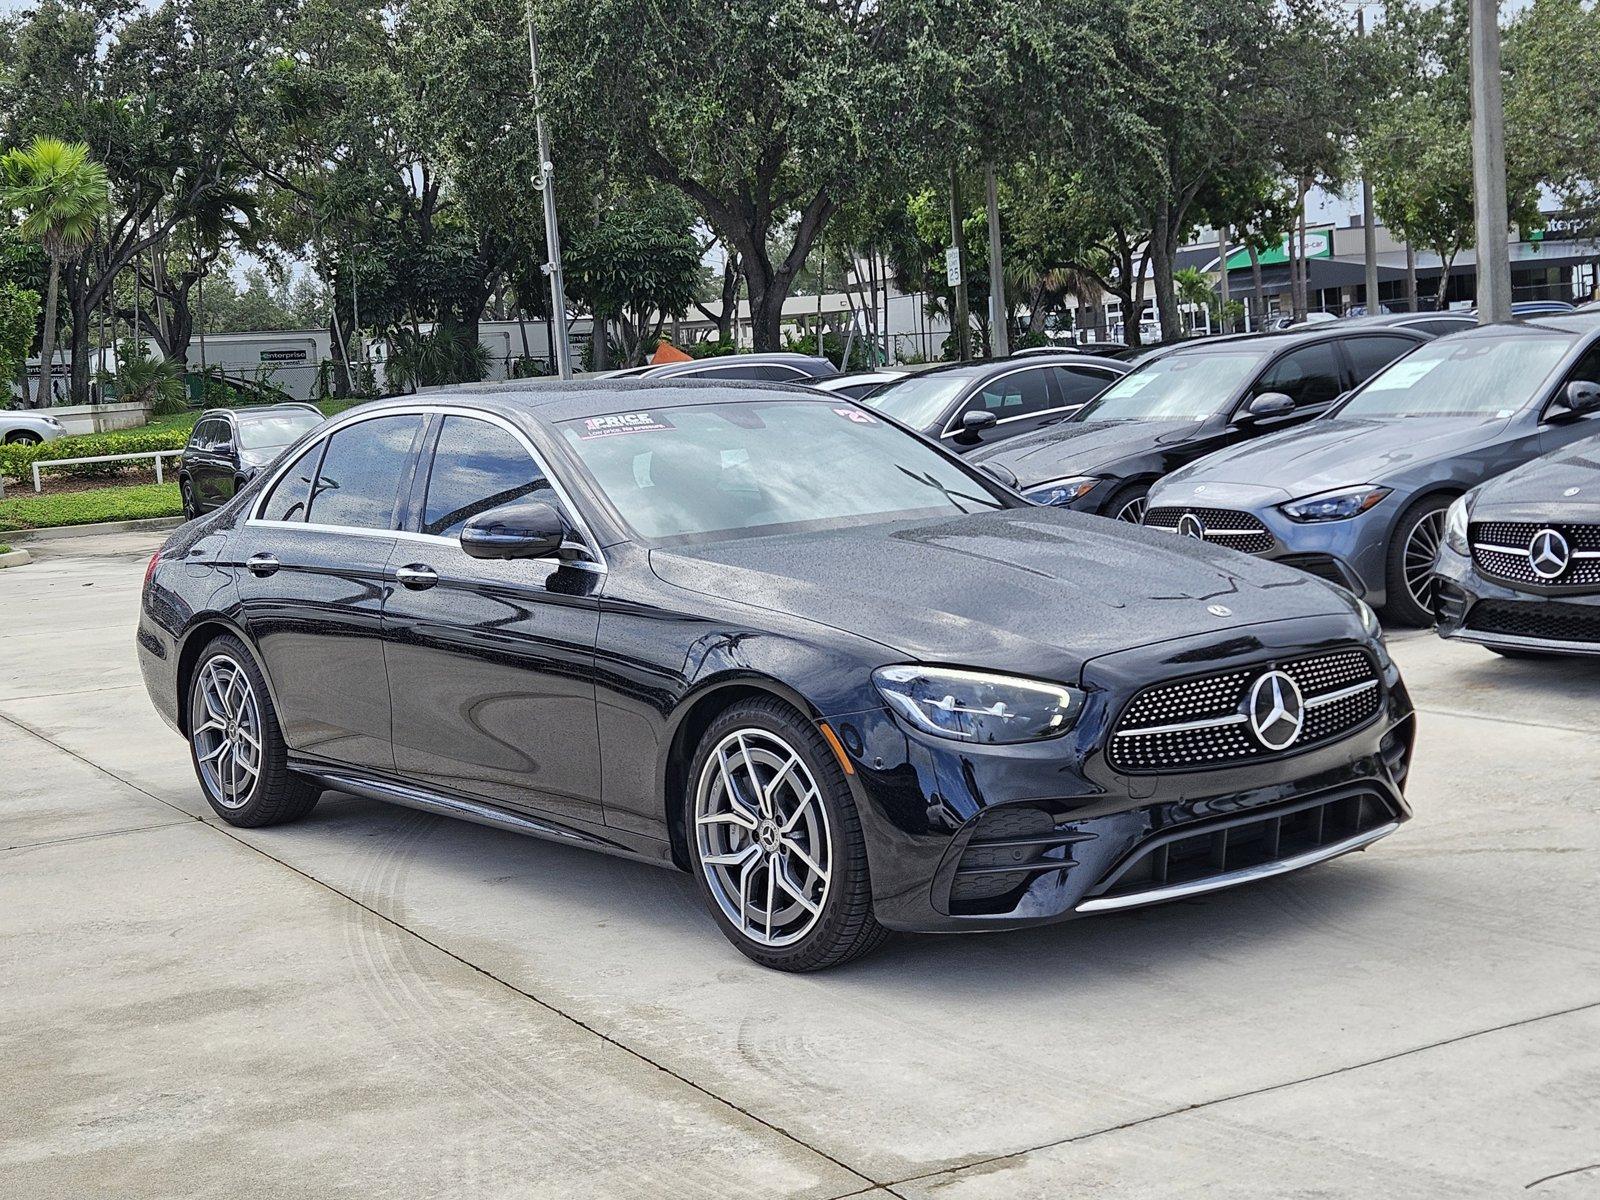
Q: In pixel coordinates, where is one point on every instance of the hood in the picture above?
(1036, 591)
(1081, 447)
(1562, 487)
(1329, 453)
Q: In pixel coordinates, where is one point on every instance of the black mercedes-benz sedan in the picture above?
(1519, 567)
(848, 681)
(1187, 402)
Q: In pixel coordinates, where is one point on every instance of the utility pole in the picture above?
(1222, 277)
(956, 269)
(1369, 231)
(552, 231)
(999, 335)
(1489, 165)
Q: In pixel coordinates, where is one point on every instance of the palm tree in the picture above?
(1194, 287)
(61, 195)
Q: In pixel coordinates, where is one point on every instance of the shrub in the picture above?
(16, 459)
(154, 382)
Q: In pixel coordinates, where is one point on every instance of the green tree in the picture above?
(19, 319)
(61, 194)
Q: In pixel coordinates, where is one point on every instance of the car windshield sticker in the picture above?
(634, 422)
(1402, 375)
(856, 415)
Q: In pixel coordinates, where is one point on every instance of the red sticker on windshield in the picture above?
(856, 415)
(634, 422)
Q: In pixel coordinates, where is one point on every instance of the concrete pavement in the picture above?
(379, 1002)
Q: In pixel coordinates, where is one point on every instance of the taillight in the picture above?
(151, 568)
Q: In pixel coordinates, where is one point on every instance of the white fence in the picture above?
(157, 455)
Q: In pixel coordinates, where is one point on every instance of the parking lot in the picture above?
(378, 1002)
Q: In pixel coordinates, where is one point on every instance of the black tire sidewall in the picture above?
(1124, 496)
(846, 847)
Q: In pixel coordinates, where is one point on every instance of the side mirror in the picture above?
(1269, 404)
(1581, 397)
(524, 529)
(974, 423)
(1004, 475)
(225, 449)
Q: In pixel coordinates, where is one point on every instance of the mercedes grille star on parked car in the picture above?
(767, 636)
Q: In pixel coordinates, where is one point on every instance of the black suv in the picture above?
(228, 446)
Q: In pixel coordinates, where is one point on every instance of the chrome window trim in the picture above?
(726, 368)
(591, 543)
(953, 426)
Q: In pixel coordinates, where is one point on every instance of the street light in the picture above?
(552, 231)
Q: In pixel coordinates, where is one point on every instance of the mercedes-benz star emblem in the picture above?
(1549, 554)
(1191, 526)
(1219, 610)
(1276, 710)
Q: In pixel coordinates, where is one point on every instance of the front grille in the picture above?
(1218, 849)
(1009, 848)
(1198, 723)
(1501, 551)
(1222, 526)
(1542, 619)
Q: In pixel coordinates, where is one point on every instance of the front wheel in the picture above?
(237, 748)
(23, 437)
(1128, 503)
(776, 841)
(1413, 550)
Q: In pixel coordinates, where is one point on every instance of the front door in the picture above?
(491, 662)
(312, 570)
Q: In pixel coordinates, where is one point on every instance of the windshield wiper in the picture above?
(930, 481)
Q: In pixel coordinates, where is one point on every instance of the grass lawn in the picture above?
(29, 511)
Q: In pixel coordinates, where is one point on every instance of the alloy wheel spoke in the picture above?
(781, 872)
(772, 875)
(732, 791)
(794, 817)
(763, 795)
(732, 858)
(799, 851)
(733, 817)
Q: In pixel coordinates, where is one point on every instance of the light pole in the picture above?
(552, 230)
(956, 268)
(1369, 231)
(1489, 165)
(999, 335)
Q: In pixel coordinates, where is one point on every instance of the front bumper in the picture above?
(964, 837)
(1470, 607)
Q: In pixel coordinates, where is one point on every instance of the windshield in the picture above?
(918, 400)
(763, 465)
(1175, 387)
(262, 432)
(1462, 377)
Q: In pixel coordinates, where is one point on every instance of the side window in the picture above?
(476, 466)
(764, 372)
(287, 500)
(1308, 376)
(1079, 385)
(1369, 355)
(1587, 368)
(206, 433)
(359, 481)
(1019, 394)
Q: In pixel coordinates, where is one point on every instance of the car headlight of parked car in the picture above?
(1455, 524)
(51, 421)
(1369, 619)
(976, 706)
(1062, 491)
(1335, 506)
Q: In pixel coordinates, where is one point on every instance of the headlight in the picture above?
(51, 421)
(1369, 619)
(975, 706)
(1335, 506)
(1455, 524)
(1062, 491)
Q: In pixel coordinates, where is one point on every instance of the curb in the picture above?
(51, 532)
(15, 558)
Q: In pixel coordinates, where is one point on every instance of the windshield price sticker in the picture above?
(615, 423)
(856, 415)
(1401, 375)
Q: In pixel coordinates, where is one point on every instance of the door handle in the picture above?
(262, 564)
(417, 577)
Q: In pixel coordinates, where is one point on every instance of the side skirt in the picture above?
(411, 796)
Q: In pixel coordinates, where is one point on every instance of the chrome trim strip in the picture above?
(1185, 726)
(1514, 641)
(1199, 887)
(1355, 689)
(334, 424)
(1527, 551)
(1211, 533)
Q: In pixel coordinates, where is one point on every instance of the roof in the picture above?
(1275, 340)
(554, 400)
(983, 367)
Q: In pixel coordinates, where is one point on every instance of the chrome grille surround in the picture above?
(1222, 527)
(1202, 723)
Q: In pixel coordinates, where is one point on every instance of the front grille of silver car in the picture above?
(1200, 723)
(1221, 526)
(1501, 550)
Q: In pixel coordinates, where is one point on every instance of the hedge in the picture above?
(16, 459)
(28, 511)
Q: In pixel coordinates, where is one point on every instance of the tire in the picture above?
(186, 491)
(227, 693)
(22, 437)
(789, 915)
(1127, 503)
(1416, 536)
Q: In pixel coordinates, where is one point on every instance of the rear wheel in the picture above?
(1413, 549)
(23, 437)
(776, 841)
(234, 741)
(1128, 503)
(186, 494)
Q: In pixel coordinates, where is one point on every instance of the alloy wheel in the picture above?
(1132, 511)
(761, 830)
(1421, 551)
(226, 722)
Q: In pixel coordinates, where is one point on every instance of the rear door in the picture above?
(1020, 400)
(1312, 376)
(1372, 352)
(210, 472)
(313, 563)
(1078, 383)
(491, 662)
